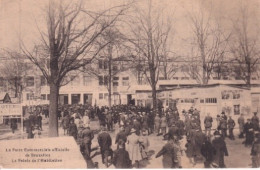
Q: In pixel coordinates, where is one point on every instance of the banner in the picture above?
(10, 109)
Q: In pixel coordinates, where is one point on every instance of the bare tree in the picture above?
(113, 59)
(245, 43)
(149, 34)
(70, 44)
(211, 44)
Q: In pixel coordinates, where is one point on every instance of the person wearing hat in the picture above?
(73, 130)
(105, 142)
(241, 123)
(223, 126)
(109, 121)
(255, 151)
(137, 126)
(249, 131)
(121, 136)
(208, 152)
(87, 136)
(208, 124)
(133, 148)
(121, 159)
(231, 124)
(255, 121)
(221, 150)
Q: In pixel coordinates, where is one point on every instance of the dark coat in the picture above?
(87, 135)
(208, 151)
(221, 150)
(255, 122)
(248, 130)
(231, 123)
(208, 122)
(104, 141)
(121, 136)
(73, 131)
(137, 126)
(121, 159)
(169, 156)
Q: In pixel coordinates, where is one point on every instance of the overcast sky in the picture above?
(20, 17)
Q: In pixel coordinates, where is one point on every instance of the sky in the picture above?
(20, 18)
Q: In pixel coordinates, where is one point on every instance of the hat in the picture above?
(216, 133)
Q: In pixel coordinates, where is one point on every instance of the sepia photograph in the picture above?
(129, 84)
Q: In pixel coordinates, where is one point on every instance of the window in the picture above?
(236, 95)
(175, 78)
(161, 78)
(30, 81)
(43, 81)
(43, 96)
(115, 78)
(100, 96)
(211, 100)
(202, 101)
(225, 95)
(125, 81)
(48, 96)
(115, 83)
(236, 109)
(100, 80)
(100, 64)
(103, 64)
(30, 96)
(87, 80)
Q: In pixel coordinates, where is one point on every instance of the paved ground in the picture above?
(239, 155)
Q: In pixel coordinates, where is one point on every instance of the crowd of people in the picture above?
(133, 125)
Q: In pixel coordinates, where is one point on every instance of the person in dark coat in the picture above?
(121, 137)
(87, 135)
(249, 131)
(208, 124)
(105, 142)
(169, 159)
(255, 121)
(73, 130)
(221, 150)
(231, 124)
(13, 125)
(223, 126)
(121, 159)
(39, 121)
(208, 152)
(255, 152)
(137, 126)
(109, 121)
(241, 123)
(145, 123)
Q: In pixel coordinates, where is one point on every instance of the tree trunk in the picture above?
(154, 96)
(109, 76)
(53, 110)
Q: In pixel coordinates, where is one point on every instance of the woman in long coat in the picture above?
(133, 148)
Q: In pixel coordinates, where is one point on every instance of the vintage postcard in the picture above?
(129, 84)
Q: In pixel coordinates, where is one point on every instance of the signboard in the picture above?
(41, 153)
(10, 109)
